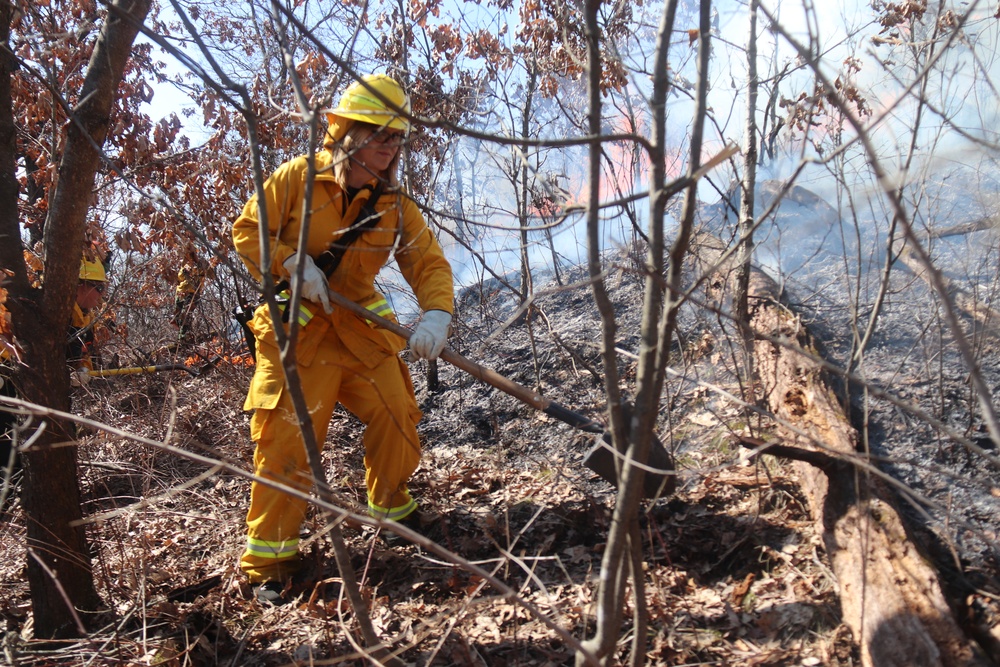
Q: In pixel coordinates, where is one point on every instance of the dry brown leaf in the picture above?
(741, 589)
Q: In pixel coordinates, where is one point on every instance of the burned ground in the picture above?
(735, 572)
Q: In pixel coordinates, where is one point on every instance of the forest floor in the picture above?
(735, 571)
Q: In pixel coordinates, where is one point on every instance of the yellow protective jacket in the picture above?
(81, 339)
(189, 279)
(401, 231)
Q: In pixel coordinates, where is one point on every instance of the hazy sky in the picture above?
(963, 91)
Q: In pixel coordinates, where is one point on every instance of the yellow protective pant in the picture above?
(381, 397)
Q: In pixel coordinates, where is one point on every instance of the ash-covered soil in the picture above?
(735, 573)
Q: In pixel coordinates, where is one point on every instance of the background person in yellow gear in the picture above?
(79, 346)
(89, 292)
(191, 278)
(340, 356)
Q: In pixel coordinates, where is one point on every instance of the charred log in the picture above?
(891, 596)
(975, 309)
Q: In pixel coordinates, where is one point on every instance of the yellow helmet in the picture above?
(359, 103)
(90, 270)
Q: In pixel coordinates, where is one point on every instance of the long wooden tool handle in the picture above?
(133, 370)
(480, 372)
(108, 372)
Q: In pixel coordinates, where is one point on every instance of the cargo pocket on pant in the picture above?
(269, 379)
(310, 336)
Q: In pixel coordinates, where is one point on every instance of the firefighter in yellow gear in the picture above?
(79, 348)
(340, 356)
(191, 279)
(89, 292)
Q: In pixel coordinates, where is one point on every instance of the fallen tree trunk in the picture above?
(976, 309)
(979, 225)
(890, 595)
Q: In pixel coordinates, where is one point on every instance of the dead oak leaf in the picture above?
(741, 589)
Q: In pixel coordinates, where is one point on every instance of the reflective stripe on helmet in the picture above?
(373, 103)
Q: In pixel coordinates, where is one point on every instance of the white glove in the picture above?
(428, 339)
(80, 377)
(315, 286)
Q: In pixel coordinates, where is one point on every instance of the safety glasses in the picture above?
(95, 285)
(385, 137)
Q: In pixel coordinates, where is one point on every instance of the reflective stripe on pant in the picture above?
(382, 398)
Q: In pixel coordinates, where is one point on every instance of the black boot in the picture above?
(271, 592)
(415, 521)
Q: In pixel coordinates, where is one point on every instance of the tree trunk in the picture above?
(890, 595)
(59, 569)
(519, 162)
(745, 227)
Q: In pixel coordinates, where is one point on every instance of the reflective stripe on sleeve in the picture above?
(304, 313)
(381, 308)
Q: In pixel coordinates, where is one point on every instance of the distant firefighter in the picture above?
(190, 282)
(80, 349)
(81, 346)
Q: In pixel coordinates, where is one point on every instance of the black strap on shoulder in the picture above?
(330, 258)
(367, 218)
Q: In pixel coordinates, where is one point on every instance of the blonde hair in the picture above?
(343, 150)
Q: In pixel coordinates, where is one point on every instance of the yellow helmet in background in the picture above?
(91, 270)
(359, 103)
